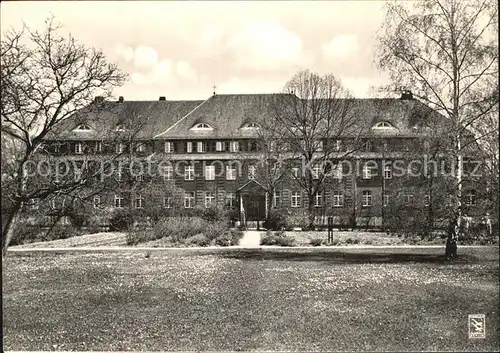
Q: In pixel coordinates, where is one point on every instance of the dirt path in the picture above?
(88, 240)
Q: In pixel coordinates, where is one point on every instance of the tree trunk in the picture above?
(455, 227)
(10, 227)
(310, 212)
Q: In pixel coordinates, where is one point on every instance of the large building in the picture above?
(209, 151)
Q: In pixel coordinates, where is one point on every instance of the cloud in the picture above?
(125, 52)
(161, 73)
(340, 47)
(236, 85)
(264, 45)
(145, 56)
(184, 70)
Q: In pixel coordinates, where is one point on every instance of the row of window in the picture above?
(230, 200)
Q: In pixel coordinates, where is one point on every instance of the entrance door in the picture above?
(255, 206)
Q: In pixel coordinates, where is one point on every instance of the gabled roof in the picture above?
(148, 118)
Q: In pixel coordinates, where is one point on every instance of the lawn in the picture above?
(272, 299)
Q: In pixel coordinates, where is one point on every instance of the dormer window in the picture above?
(120, 127)
(251, 126)
(82, 127)
(383, 125)
(202, 127)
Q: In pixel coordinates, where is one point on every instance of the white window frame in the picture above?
(252, 172)
(219, 146)
(231, 172)
(315, 172)
(407, 198)
(189, 172)
(276, 199)
(470, 198)
(387, 171)
(386, 199)
(234, 146)
(338, 199)
(427, 200)
(169, 147)
(367, 172)
(139, 177)
(295, 172)
(189, 147)
(201, 147)
(120, 147)
(82, 127)
(119, 174)
(337, 171)
(251, 126)
(210, 172)
(295, 199)
(230, 199)
(167, 172)
(118, 201)
(338, 145)
(78, 148)
(367, 198)
(97, 201)
(138, 201)
(209, 199)
(202, 127)
(383, 125)
(167, 202)
(120, 127)
(318, 200)
(140, 147)
(98, 146)
(189, 199)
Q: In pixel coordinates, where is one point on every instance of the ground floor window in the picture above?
(139, 201)
(338, 199)
(97, 201)
(189, 199)
(276, 199)
(167, 202)
(367, 198)
(209, 199)
(118, 201)
(295, 199)
(318, 200)
(230, 200)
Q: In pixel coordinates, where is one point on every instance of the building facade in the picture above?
(202, 154)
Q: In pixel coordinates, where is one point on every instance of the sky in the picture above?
(180, 50)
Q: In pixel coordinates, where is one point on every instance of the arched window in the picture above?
(251, 126)
(120, 127)
(202, 126)
(383, 125)
(82, 127)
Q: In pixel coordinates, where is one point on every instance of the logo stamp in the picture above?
(477, 326)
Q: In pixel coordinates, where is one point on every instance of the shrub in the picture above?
(214, 230)
(179, 228)
(275, 239)
(276, 220)
(355, 241)
(317, 242)
(299, 220)
(121, 220)
(236, 236)
(142, 236)
(223, 239)
(349, 241)
(198, 239)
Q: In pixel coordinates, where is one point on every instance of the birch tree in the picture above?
(445, 52)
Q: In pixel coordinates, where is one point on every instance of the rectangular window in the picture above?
(295, 200)
(118, 201)
(169, 147)
(97, 201)
(276, 199)
(230, 172)
(219, 146)
(209, 199)
(189, 199)
(120, 148)
(367, 198)
(318, 200)
(338, 145)
(210, 172)
(139, 201)
(427, 200)
(189, 147)
(234, 146)
(119, 174)
(386, 200)
(295, 172)
(78, 148)
(338, 199)
(408, 198)
(168, 172)
(470, 198)
(272, 146)
(33, 204)
(201, 146)
(368, 146)
(316, 172)
(189, 172)
(388, 171)
(230, 199)
(252, 172)
(367, 172)
(98, 146)
(167, 202)
(139, 177)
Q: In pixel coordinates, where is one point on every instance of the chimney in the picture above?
(406, 95)
(162, 98)
(120, 99)
(99, 99)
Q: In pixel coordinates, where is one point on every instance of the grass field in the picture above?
(272, 299)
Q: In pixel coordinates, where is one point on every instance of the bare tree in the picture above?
(45, 78)
(316, 118)
(445, 52)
